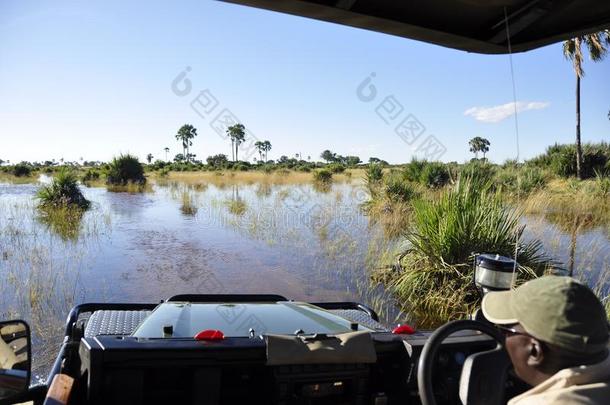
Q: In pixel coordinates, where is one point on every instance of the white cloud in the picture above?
(501, 112)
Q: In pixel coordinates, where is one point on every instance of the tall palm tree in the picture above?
(475, 146)
(267, 145)
(572, 50)
(237, 133)
(484, 146)
(185, 134)
(260, 147)
(166, 149)
(239, 139)
(478, 144)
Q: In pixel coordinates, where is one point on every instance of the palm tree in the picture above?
(260, 147)
(327, 155)
(478, 144)
(166, 149)
(185, 134)
(474, 146)
(238, 135)
(484, 146)
(149, 158)
(267, 145)
(572, 50)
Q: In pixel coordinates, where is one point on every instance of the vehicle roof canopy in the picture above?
(469, 25)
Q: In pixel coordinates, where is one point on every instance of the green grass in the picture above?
(373, 174)
(434, 175)
(436, 281)
(373, 178)
(63, 221)
(236, 207)
(561, 159)
(63, 192)
(397, 188)
(414, 169)
(520, 181)
(188, 206)
(21, 170)
(42, 268)
(479, 174)
(125, 169)
(601, 185)
(336, 168)
(323, 175)
(91, 174)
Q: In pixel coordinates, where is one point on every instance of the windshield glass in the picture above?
(241, 320)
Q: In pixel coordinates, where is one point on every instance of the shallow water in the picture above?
(299, 241)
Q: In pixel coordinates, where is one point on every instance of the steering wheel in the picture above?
(483, 374)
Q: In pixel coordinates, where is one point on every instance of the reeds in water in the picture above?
(436, 277)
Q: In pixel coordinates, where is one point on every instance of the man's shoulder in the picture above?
(587, 394)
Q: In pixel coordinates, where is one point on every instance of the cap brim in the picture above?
(496, 307)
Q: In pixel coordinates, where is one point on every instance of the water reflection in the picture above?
(44, 257)
(573, 224)
(263, 190)
(236, 205)
(322, 186)
(65, 222)
(188, 206)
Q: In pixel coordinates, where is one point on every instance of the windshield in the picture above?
(187, 319)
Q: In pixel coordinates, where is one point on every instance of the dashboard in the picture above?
(127, 369)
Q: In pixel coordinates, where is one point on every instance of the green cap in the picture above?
(554, 309)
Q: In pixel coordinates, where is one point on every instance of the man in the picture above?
(557, 339)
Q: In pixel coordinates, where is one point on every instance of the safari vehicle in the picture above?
(213, 349)
(219, 349)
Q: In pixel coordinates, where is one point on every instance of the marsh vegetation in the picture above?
(400, 238)
(62, 193)
(124, 170)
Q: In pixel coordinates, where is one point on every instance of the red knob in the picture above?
(403, 330)
(210, 334)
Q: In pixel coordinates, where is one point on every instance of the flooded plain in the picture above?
(302, 241)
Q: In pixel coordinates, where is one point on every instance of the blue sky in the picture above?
(94, 79)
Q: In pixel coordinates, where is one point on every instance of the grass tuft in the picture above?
(398, 188)
(236, 207)
(436, 283)
(21, 170)
(125, 169)
(323, 176)
(188, 206)
(62, 192)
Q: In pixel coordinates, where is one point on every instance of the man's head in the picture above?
(552, 323)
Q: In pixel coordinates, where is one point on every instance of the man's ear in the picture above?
(536, 353)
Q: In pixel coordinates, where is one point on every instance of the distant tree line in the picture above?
(331, 157)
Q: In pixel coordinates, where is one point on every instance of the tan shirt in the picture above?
(579, 385)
